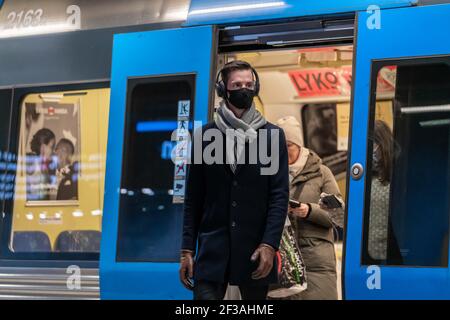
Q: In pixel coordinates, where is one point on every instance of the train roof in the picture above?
(25, 18)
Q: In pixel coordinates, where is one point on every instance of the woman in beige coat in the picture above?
(312, 222)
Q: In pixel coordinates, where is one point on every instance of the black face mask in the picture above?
(242, 98)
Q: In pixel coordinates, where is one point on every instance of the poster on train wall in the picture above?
(51, 153)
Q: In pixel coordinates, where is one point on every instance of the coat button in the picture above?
(235, 183)
(234, 203)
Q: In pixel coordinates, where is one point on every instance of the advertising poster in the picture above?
(51, 149)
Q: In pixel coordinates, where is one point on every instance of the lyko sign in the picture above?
(322, 82)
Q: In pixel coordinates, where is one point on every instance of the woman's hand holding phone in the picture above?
(298, 209)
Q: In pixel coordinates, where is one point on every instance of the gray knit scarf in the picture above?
(244, 129)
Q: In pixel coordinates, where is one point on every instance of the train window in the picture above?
(408, 165)
(5, 110)
(150, 212)
(325, 131)
(320, 128)
(59, 175)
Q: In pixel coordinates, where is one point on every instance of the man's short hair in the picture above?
(233, 66)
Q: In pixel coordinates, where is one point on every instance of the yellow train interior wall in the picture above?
(94, 110)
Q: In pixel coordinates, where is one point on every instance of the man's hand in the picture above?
(187, 268)
(265, 254)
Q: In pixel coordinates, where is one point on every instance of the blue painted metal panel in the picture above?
(238, 11)
(138, 55)
(405, 32)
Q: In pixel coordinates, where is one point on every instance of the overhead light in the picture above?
(77, 214)
(426, 109)
(263, 5)
(29, 216)
(48, 97)
(435, 123)
(148, 191)
(176, 15)
(97, 212)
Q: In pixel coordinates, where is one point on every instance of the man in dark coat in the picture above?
(235, 208)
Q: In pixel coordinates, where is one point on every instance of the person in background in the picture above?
(66, 172)
(313, 224)
(381, 234)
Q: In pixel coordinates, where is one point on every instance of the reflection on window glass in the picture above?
(59, 181)
(407, 199)
(324, 135)
(320, 128)
(151, 213)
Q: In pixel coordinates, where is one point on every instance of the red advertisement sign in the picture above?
(335, 81)
(322, 82)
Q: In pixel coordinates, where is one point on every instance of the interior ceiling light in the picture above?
(263, 5)
(48, 97)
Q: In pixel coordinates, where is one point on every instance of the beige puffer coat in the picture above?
(315, 232)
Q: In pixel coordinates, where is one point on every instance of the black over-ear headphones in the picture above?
(221, 88)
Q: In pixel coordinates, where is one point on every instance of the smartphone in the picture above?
(294, 204)
(331, 202)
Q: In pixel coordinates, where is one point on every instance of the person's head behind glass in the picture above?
(383, 151)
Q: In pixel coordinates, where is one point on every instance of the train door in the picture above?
(160, 84)
(397, 244)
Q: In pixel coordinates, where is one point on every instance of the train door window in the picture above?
(408, 164)
(325, 130)
(6, 158)
(153, 174)
(5, 109)
(319, 128)
(58, 180)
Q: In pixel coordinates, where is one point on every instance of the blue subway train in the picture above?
(91, 92)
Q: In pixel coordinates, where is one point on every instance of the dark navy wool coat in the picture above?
(228, 215)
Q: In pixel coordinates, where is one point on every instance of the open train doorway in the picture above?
(314, 85)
